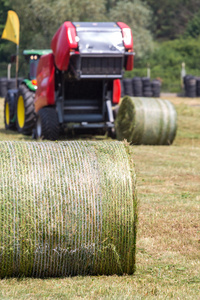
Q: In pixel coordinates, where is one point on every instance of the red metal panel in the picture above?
(116, 91)
(128, 44)
(45, 81)
(63, 41)
(130, 63)
(127, 35)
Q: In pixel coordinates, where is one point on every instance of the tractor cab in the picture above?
(33, 57)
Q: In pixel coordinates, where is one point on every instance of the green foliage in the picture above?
(6, 48)
(164, 19)
(4, 7)
(39, 19)
(193, 26)
(165, 62)
(170, 18)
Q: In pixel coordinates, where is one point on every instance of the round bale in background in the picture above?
(67, 208)
(147, 121)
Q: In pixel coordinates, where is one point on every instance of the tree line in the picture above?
(149, 19)
(153, 22)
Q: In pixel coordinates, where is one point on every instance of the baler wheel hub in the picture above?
(21, 111)
(39, 127)
(7, 113)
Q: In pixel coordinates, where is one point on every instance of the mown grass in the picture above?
(168, 244)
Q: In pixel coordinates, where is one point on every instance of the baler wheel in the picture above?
(25, 111)
(47, 125)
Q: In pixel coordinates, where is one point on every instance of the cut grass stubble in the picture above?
(168, 243)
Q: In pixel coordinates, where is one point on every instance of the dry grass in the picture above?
(168, 245)
(188, 120)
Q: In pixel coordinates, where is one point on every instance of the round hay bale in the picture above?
(67, 208)
(146, 121)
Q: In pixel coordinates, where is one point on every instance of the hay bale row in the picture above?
(146, 121)
(66, 208)
(140, 87)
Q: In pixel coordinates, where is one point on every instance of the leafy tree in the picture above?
(4, 7)
(170, 18)
(6, 48)
(193, 26)
(40, 19)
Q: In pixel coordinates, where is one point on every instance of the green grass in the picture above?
(168, 244)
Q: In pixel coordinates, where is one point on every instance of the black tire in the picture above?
(146, 82)
(47, 125)
(128, 88)
(137, 86)
(25, 111)
(9, 109)
(111, 133)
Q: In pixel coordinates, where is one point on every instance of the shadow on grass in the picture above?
(14, 135)
(11, 134)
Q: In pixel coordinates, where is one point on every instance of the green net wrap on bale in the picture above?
(147, 121)
(66, 208)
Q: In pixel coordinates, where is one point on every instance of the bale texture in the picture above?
(66, 208)
(147, 121)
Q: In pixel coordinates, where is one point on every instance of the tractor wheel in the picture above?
(9, 108)
(47, 125)
(111, 133)
(25, 111)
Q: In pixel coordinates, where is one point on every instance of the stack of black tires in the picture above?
(7, 84)
(146, 86)
(137, 86)
(198, 86)
(3, 87)
(191, 86)
(155, 88)
(140, 87)
(127, 87)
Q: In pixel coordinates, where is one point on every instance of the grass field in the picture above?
(168, 244)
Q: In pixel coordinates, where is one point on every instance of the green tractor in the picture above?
(19, 111)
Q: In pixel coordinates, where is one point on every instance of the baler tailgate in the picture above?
(101, 65)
